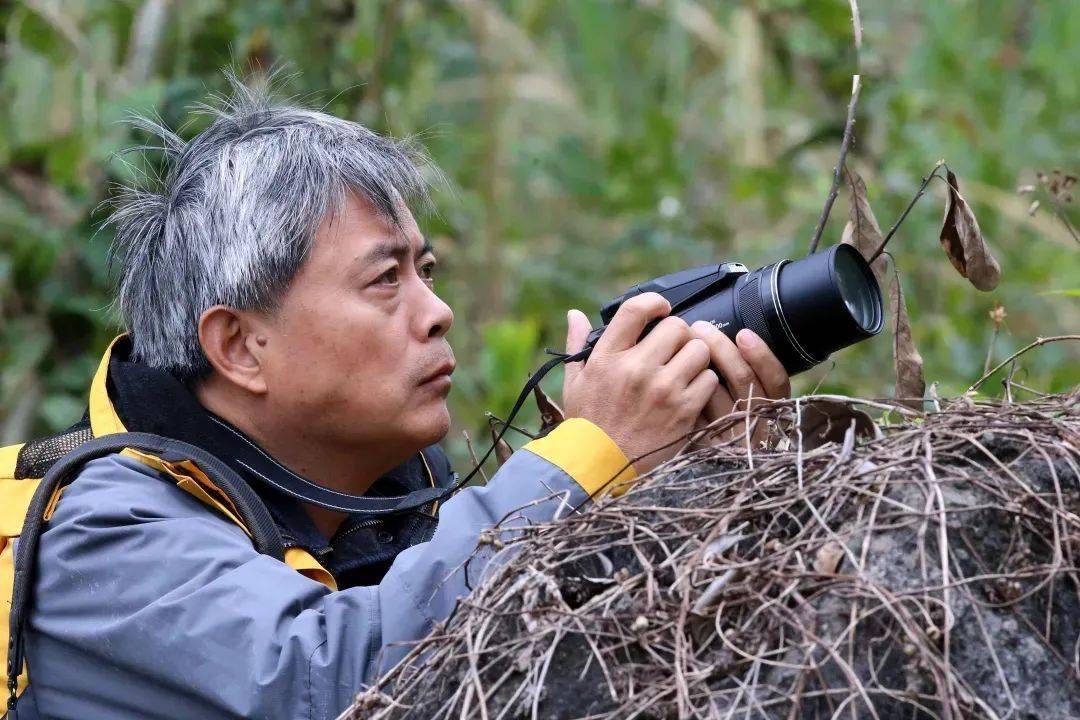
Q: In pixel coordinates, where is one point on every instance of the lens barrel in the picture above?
(804, 310)
(823, 302)
(809, 308)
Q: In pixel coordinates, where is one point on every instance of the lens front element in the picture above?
(858, 295)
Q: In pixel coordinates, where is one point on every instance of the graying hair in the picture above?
(233, 216)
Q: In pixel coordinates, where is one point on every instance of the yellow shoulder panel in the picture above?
(9, 456)
(17, 496)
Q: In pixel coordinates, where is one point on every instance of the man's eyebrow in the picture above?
(395, 249)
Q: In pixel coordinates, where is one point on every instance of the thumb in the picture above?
(578, 328)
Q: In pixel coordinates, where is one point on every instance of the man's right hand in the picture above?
(644, 395)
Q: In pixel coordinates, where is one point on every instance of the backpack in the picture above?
(34, 475)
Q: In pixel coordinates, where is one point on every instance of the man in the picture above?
(281, 315)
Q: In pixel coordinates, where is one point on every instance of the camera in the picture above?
(804, 309)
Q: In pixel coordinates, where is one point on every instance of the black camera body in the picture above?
(804, 309)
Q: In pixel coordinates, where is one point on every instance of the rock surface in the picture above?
(927, 571)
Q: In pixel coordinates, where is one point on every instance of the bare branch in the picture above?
(845, 143)
(856, 23)
(922, 191)
(1018, 353)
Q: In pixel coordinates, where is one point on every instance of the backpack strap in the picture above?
(265, 536)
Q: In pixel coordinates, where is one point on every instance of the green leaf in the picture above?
(64, 160)
(507, 360)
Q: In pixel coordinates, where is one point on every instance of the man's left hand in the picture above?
(748, 369)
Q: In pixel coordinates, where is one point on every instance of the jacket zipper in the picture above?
(360, 526)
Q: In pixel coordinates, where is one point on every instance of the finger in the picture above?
(630, 320)
(700, 389)
(665, 341)
(577, 332)
(687, 363)
(775, 382)
(736, 372)
(719, 405)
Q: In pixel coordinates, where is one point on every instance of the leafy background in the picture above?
(588, 145)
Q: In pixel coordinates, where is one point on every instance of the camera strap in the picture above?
(303, 489)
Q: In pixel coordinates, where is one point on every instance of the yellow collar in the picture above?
(103, 417)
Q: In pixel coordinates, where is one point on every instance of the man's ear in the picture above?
(234, 343)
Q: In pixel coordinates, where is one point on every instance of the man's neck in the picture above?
(351, 469)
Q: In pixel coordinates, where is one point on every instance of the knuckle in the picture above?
(704, 388)
(700, 348)
(676, 326)
(653, 394)
(635, 376)
(662, 388)
(695, 355)
(630, 308)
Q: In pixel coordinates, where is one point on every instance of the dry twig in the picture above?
(892, 577)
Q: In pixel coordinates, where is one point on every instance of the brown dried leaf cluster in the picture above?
(910, 384)
(964, 243)
(503, 451)
(862, 230)
(864, 233)
(824, 421)
(550, 413)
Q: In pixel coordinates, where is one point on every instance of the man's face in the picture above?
(358, 356)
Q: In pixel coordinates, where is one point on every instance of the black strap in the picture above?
(265, 536)
(303, 489)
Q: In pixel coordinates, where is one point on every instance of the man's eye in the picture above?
(427, 271)
(389, 277)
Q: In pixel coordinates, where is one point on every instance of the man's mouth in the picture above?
(441, 373)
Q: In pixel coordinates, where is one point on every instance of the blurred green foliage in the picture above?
(588, 145)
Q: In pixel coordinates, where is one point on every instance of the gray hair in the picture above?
(233, 216)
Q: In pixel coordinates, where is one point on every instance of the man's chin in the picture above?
(435, 428)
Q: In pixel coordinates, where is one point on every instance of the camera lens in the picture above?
(858, 296)
(809, 308)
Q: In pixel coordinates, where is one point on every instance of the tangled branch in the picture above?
(925, 569)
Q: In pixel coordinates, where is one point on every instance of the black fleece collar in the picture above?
(154, 401)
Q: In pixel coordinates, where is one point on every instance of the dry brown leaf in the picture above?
(550, 413)
(822, 421)
(828, 559)
(503, 451)
(910, 385)
(862, 230)
(963, 241)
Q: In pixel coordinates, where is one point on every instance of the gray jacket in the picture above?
(150, 604)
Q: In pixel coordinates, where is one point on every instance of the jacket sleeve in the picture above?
(146, 604)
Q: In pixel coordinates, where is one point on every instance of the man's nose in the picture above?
(437, 316)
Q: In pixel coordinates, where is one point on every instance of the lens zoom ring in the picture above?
(753, 315)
